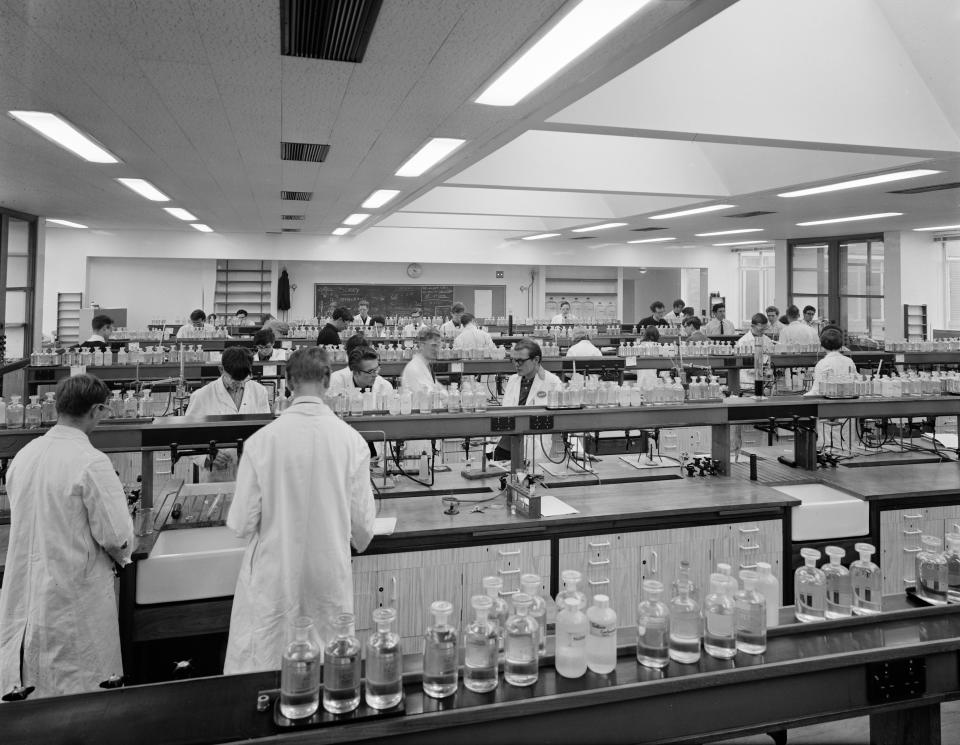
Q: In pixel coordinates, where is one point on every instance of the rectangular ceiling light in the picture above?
(61, 132)
(356, 218)
(938, 227)
(64, 223)
(539, 236)
(434, 150)
(877, 216)
(695, 211)
(341, 231)
(180, 213)
(653, 240)
(868, 181)
(604, 226)
(580, 29)
(741, 243)
(730, 232)
(144, 189)
(201, 227)
(379, 198)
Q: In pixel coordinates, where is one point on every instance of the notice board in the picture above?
(391, 300)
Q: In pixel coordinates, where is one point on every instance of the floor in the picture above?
(853, 731)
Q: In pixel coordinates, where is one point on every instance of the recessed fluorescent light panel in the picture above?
(868, 181)
(604, 226)
(341, 231)
(379, 198)
(61, 132)
(180, 213)
(64, 223)
(653, 240)
(695, 211)
(433, 151)
(854, 218)
(583, 27)
(730, 232)
(201, 227)
(938, 227)
(356, 218)
(740, 243)
(144, 189)
(539, 237)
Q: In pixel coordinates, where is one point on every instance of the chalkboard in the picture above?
(384, 300)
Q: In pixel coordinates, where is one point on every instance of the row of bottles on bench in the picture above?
(937, 572)
(833, 590)
(35, 414)
(131, 355)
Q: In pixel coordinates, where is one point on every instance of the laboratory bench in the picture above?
(897, 668)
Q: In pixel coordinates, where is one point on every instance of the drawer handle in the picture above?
(749, 548)
(654, 563)
(749, 530)
(505, 593)
(913, 517)
(601, 563)
(748, 566)
(605, 544)
(508, 571)
(911, 550)
(912, 532)
(508, 553)
(595, 583)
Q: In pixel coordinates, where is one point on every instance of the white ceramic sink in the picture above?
(826, 513)
(190, 564)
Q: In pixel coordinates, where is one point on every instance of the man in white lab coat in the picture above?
(748, 343)
(198, 327)
(303, 496)
(451, 329)
(363, 317)
(472, 337)
(58, 610)
(834, 364)
(234, 392)
(582, 346)
(418, 372)
(361, 373)
(797, 331)
(266, 345)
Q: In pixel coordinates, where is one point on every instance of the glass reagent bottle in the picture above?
(300, 671)
(341, 668)
(719, 638)
(866, 581)
(384, 681)
(440, 653)
(839, 589)
(602, 636)
(653, 627)
(685, 626)
(751, 616)
(530, 584)
(571, 639)
(810, 586)
(480, 641)
(521, 637)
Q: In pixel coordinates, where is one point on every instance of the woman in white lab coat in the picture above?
(834, 364)
(58, 612)
(232, 393)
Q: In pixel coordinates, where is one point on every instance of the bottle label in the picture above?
(600, 629)
(573, 639)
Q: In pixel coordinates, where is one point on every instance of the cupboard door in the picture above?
(900, 533)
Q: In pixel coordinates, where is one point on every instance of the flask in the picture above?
(130, 406)
(123, 357)
(751, 616)
(48, 410)
(932, 571)
(684, 576)
(867, 581)
(34, 413)
(602, 636)
(839, 590)
(719, 638)
(341, 668)
(300, 671)
(811, 588)
(440, 653)
(521, 636)
(653, 627)
(480, 648)
(116, 404)
(530, 584)
(15, 413)
(384, 682)
(685, 628)
(571, 578)
(769, 586)
(500, 612)
(571, 639)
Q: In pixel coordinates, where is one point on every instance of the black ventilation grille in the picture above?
(925, 189)
(290, 230)
(582, 237)
(292, 217)
(644, 230)
(755, 213)
(336, 30)
(309, 152)
(297, 196)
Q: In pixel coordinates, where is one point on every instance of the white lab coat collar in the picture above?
(549, 382)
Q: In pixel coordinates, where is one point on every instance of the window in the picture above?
(756, 283)
(951, 252)
(18, 259)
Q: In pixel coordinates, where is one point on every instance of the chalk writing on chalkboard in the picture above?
(385, 300)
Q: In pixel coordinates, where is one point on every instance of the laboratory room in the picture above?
(570, 371)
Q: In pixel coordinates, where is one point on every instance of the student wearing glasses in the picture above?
(265, 343)
(362, 373)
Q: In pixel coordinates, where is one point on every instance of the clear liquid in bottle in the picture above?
(685, 626)
(810, 586)
(384, 681)
(602, 636)
(866, 580)
(300, 672)
(440, 653)
(931, 567)
(751, 616)
(521, 634)
(571, 639)
(719, 639)
(839, 588)
(530, 584)
(653, 627)
(341, 668)
(953, 567)
(480, 641)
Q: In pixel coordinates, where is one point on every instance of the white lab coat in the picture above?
(416, 374)
(834, 364)
(276, 355)
(449, 330)
(747, 344)
(673, 319)
(560, 319)
(342, 380)
(798, 332)
(584, 348)
(410, 330)
(536, 397)
(303, 496)
(214, 400)
(57, 603)
(471, 337)
(189, 331)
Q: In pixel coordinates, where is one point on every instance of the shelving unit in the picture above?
(68, 317)
(592, 294)
(242, 284)
(915, 322)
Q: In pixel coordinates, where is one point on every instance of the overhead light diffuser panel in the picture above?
(856, 183)
(379, 198)
(61, 132)
(180, 213)
(64, 223)
(854, 218)
(145, 189)
(433, 151)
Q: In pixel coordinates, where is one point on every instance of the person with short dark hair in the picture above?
(564, 316)
(418, 372)
(774, 327)
(198, 327)
(330, 334)
(266, 347)
(650, 334)
(59, 630)
(808, 314)
(303, 497)
(834, 363)
(797, 332)
(655, 318)
(102, 327)
(410, 330)
(747, 344)
(719, 325)
(362, 373)
(240, 317)
(691, 325)
(363, 317)
(378, 327)
(234, 392)
(471, 336)
(450, 329)
(675, 316)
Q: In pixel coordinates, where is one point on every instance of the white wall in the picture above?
(922, 278)
(477, 255)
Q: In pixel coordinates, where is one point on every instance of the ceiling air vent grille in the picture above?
(290, 230)
(755, 213)
(297, 196)
(335, 30)
(292, 217)
(925, 189)
(644, 230)
(309, 152)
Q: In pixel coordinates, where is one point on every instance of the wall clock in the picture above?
(414, 270)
